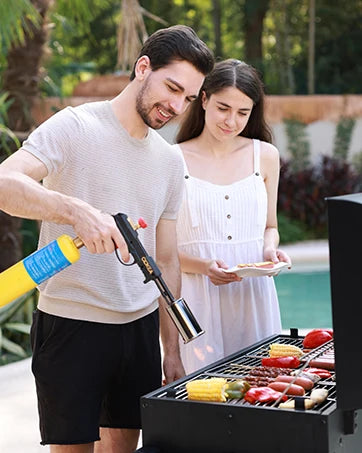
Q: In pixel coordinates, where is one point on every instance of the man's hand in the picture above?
(99, 231)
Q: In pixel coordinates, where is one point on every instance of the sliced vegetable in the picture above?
(236, 389)
(323, 374)
(263, 395)
(319, 395)
(281, 362)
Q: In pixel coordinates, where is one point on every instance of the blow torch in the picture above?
(64, 251)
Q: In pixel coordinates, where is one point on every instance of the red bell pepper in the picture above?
(323, 374)
(315, 338)
(281, 362)
(263, 395)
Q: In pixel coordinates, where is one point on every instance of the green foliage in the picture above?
(298, 144)
(357, 162)
(15, 322)
(343, 137)
(302, 193)
(291, 230)
(6, 134)
(15, 12)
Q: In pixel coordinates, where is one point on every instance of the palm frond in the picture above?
(15, 17)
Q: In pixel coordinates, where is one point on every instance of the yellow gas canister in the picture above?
(38, 267)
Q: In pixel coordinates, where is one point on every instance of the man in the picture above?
(95, 335)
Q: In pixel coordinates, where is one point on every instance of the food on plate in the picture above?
(263, 265)
(319, 395)
(284, 350)
(263, 395)
(291, 389)
(317, 337)
(212, 389)
(281, 362)
(304, 382)
(323, 374)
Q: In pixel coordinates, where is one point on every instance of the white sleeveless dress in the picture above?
(226, 222)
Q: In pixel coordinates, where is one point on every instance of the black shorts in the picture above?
(91, 374)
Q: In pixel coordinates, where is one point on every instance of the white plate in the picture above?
(257, 271)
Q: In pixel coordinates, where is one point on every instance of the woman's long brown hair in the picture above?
(229, 73)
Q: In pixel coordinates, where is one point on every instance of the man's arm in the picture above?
(22, 195)
(167, 260)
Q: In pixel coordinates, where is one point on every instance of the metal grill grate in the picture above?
(239, 366)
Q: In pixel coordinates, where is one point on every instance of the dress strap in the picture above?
(256, 144)
(189, 192)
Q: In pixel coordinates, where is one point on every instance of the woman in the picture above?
(228, 214)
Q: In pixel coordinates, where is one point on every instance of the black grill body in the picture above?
(173, 424)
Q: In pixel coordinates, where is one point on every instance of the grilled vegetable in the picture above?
(212, 389)
(284, 350)
(316, 337)
(237, 389)
(263, 395)
(323, 374)
(308, 404)
(281, 362)
(303, 374)
(319, 395)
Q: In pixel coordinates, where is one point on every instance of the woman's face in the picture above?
(227, 112)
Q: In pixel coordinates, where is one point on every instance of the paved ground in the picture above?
(18, 412)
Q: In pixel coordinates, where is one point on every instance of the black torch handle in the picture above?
(145, 262)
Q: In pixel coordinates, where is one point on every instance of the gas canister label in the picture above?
(46, 262)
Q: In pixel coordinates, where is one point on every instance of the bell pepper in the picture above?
(316, 337)
(237, 389)
(281, 362)
(323, 374)
(263, 395)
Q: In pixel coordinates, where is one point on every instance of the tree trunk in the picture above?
(22, 76)
(21, 80)
(254, 14)
(216, 18)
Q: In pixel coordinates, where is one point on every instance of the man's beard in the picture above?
(143, 109)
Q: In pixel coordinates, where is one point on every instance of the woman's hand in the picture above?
(276, 255)
(214, 270)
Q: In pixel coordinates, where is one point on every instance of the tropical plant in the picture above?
(298, 144)
(343, 137)
(15, 322)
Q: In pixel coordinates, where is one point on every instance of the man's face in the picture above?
(167, 92)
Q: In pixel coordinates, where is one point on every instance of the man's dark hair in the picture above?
(178, 42)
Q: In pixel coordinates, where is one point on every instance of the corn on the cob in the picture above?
(212, 389)
(284, 350)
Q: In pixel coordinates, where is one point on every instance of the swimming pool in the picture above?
(305, 297)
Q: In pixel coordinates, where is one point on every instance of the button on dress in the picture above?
(226, 222)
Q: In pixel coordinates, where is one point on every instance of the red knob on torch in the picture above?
(141, 223)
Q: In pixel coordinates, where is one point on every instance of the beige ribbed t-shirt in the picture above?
(89, 155)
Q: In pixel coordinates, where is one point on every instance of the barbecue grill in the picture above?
(173, 424)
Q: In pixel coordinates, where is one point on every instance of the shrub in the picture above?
(302, 193)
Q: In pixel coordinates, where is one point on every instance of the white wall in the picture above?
(321, 137)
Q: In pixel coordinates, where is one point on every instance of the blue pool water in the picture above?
(304, 299)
